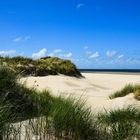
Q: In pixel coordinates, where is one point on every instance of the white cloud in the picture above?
(20, 38)
(79, 5)
(57, 51)
(51, 54)
(120, 56)
(94, 55)
(68, 55)
(111, 53)
(7, 53)
(17, 39)
(41, 53)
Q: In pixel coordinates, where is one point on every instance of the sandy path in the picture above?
(95, 88)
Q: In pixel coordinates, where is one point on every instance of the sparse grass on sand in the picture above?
(130, 88)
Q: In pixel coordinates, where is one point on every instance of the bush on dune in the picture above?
(41, 67)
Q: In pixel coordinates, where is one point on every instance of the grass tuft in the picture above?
(125, 91)
(120, 124)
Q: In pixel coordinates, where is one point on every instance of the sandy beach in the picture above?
(95, 88)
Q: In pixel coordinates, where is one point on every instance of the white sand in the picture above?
(95, 88)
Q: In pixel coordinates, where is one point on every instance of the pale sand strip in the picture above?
(95, 88)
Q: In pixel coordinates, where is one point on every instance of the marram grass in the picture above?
(121, 124)
(130, 88)
(29, 114)
(41, 67)
(43, 114)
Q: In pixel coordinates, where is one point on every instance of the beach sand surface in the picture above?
(95, 88)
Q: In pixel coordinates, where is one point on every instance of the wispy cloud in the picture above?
(60, 53)
(57, 51)
(41, 53)
(120, 56)
(94, 55)
(91, 54)
(111, 53)
(79, 5)
(17, 39)
(7, 52)
(68, 55)
(21, 38)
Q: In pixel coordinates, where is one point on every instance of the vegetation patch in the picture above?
(29, 114)
(125, 91)
(41, 67)
(137, 94)
(120, 124)
(41, 114)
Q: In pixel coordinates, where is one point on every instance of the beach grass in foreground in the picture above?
(26, 113)
(60, 116)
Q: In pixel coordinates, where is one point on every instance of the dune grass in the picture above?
(26, 113)
(43, 114)
(41, 67)
(137, 94)
(130, 88)
(121, 124)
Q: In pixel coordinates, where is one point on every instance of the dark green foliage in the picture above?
(41, 67)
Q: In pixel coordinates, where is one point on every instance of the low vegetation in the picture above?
(41, 114)
(120, 124)
(41, 67)
(26, 113)
(126, 90)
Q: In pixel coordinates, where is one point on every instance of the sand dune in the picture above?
(95, 88)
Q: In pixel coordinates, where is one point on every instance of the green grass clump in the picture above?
(70, 117)
(120, 124)
(125, 91)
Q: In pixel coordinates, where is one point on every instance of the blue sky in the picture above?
(92, 33)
